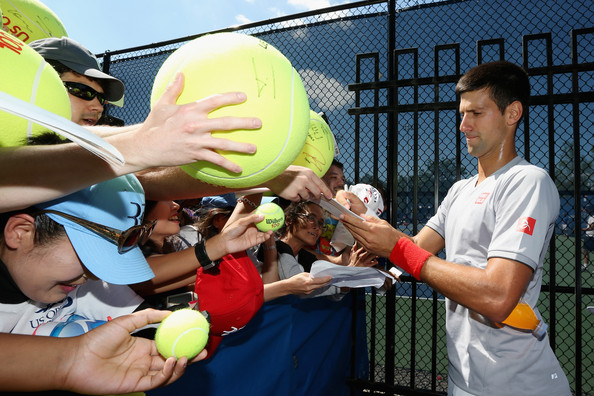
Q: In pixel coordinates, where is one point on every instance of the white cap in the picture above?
(370, 196)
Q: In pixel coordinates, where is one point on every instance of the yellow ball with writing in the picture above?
(27, 76)
(318, 151)
(30, 20)
(234, 62)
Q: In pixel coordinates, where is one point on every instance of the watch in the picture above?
(205, 262)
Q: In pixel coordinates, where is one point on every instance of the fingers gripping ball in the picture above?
(318, 151)
(27, 77)
(274, 217)
(30, 20)
(183, 333)
(234, 62)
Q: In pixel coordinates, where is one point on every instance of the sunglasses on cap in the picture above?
(125, 240)
(84, 92)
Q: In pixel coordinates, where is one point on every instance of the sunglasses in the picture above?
(84, 92)
(312, 220)
(125, 240)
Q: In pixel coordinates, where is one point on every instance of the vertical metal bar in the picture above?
(359, 59)
(413, 343)
(354, 316)
(436, 139)
(578, 209)
(483, 43)
(392, 170)
(358, 67)
(106, 65)
(376, 76)
(551, 169)
(458, 121)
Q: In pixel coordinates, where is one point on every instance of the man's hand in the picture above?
(108, 360)
(351, 201)
(181, 134)
(303, 283)
(239, 235)
(360, 257)
(298, 183)
(377, 236)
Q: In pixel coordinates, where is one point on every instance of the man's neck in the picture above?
(488, 166)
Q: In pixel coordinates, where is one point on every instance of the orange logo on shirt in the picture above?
(526, 225)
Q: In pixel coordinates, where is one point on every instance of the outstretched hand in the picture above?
(109, 360)
(298, 183)
(181, 134)
(375, 235)
(351, 201)
(360, 257)
(303, 283)
(239, 235)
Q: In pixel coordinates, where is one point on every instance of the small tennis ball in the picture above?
(234, 62)
(30, 20)
(183, 333)
(27, 77)
(318, 151)
(274, 217)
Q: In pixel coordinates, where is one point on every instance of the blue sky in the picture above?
(119, 24)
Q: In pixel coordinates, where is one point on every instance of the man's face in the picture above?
(47, 273)
(84, 112)
(483, 124)
(334, 179)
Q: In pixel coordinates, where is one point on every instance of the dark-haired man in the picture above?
(497, 225)
(89, 88)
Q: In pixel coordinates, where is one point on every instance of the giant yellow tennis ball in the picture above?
(274, 217)
(25, 75)
(30, 20)
(183, 333)
(234, 62)
(318, 150)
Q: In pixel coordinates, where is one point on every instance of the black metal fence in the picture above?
(384, 74)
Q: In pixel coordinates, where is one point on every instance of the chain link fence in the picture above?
(384, 74)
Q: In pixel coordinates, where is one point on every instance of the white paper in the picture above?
(86, 139)
(353, 277)
(335, 208)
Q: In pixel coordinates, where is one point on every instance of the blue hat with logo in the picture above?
(116, 203)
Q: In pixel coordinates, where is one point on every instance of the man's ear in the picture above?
(20, 231)
(514, 112)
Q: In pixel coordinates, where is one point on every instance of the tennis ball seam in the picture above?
(33, 97)
(179, 337)
(24, 14)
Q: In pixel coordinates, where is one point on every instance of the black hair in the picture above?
(46, 229)
(59, 67)
(293, 212)
(338, 164)
(62, 69)
(47, 138)
(205, 220)
(505, 81)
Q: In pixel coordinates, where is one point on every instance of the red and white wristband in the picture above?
(409, 257)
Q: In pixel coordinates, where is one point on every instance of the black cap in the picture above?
(76, 57)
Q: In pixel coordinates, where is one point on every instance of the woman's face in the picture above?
(167, 215)
(309, 225)
(57, 271)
